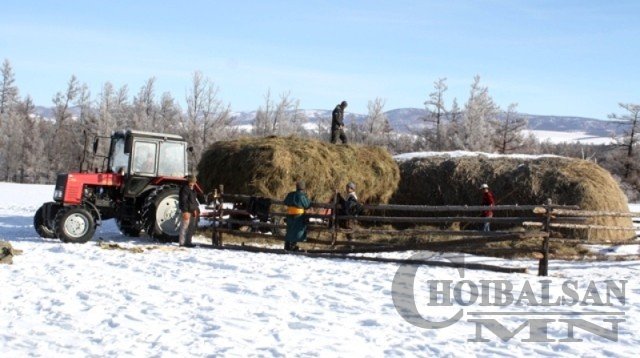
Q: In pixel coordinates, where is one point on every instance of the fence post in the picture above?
(216, 238)
(334, 234)
(543, 266)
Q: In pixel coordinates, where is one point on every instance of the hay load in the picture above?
(270, 167)
(454, 179)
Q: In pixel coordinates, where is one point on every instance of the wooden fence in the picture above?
(538, 220)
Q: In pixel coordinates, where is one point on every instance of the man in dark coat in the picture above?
(488, 200)
(296, 202)
(189, 209)
(337, 123)
(349, 206)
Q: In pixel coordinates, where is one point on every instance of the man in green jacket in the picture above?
(296, 202)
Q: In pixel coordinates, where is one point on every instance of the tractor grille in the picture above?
(61, 183)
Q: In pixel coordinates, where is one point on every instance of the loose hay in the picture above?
(271, 166)
(443, 180)
(7, 252)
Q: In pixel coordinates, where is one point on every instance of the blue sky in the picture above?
(552, 57)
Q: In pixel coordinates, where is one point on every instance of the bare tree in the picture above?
(509, 127)
(631, 121)
(436, 113)
(208, 118)
(282, 118)
(376, 128)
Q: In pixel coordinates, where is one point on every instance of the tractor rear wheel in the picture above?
(74, 225)
(129, 229)
(43, 224)
(161, 213)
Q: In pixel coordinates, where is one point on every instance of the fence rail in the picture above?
(537, 221)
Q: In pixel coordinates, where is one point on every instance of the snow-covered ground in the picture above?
(80, 300)
(568, 137)
(464, 153)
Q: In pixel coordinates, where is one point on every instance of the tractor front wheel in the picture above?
(74, 225)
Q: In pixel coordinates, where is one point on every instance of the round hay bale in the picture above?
(270, 167)
(525, 180)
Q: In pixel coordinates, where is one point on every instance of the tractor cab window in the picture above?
(119, 159)
(172, 159)
(144, 157)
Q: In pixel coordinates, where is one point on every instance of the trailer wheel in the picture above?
(74, 225)
(42, 224)
(161, 213)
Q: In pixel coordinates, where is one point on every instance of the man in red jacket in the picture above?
(488, 200)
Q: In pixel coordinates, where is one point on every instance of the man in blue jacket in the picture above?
(296, 202)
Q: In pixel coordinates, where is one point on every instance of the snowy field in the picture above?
(60, 300)
(558, 137)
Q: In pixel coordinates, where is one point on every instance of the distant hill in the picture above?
(404, 119)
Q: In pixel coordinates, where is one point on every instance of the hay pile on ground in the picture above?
(271, 166)
(445, 180)
(7, 252)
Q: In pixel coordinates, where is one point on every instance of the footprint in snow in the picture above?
(369, 323)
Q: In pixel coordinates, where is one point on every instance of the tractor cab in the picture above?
(144, 157)
(145, 154)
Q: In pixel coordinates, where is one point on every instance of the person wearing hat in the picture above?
(349, 206)
(487, 200)
(297, 202)
(350, 203)
(337, 123)
(189, 209)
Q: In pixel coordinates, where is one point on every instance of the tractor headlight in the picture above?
(57, 194)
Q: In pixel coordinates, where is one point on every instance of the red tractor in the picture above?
(137, 185)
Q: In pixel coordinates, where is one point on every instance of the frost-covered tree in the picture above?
(8, 89)
(12, 139)
(169, 114)
(509, 130)
(64, 153)
(453, 129)
(480, 113)
(121, 108)
(8, 100)
(144, 107)
(629, 140)
(30, 153)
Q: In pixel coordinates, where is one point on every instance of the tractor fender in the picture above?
(94, 211)
(159, 181)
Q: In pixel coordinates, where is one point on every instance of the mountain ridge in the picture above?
(404, 120)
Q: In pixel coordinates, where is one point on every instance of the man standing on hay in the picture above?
(487, 200)
(296, 202)
(337, 123)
